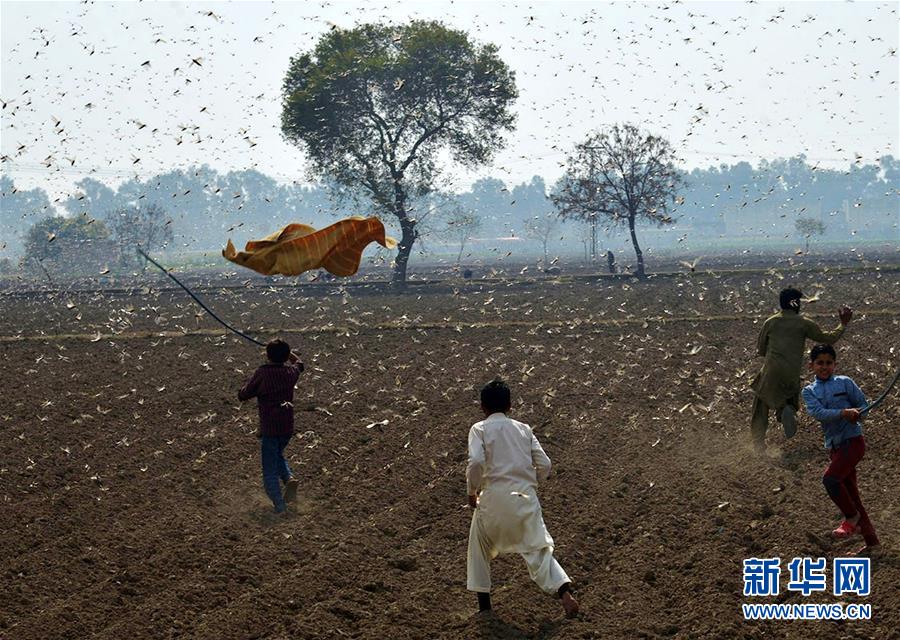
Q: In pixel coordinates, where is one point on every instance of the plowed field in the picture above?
(132, 504)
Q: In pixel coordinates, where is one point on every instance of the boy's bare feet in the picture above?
(290, 490)
(570, 604)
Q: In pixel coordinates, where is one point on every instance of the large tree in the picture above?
(624, 175)
(374, 106)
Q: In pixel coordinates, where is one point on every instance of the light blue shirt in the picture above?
(824, 401)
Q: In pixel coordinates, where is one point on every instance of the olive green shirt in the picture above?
(782, 341)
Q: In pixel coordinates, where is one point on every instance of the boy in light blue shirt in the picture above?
(836, 402)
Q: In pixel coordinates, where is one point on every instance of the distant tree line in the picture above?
(736, 200)
(204, 207)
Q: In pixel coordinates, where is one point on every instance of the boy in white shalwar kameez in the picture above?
(506, 462)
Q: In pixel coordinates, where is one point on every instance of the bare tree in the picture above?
(145, 226)
(807, 227)
(540, 228)
(462, 225)
(622, 174)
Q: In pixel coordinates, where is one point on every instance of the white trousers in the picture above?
(515, 522)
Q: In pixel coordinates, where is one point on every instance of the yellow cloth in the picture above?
(298, 248)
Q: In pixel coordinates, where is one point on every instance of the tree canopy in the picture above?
(373, 106)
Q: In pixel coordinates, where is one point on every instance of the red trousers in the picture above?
(840, 482)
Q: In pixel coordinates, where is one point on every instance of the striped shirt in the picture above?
(273, 387)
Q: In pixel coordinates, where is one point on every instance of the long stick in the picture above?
(198, 301)
(883, 395)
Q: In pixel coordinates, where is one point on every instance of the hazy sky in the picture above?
(125, 89)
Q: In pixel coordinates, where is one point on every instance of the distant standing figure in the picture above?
(782, 341)
(836, 401)
(272, 385)
(611, 261)
(505, 463)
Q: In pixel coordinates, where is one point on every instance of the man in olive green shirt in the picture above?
(782, 341)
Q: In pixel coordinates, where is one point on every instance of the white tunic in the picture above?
(506, 462)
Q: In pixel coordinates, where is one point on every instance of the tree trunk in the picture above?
(403, 250)
(594, 238)
(637, 248)
(408, 237)
(462, 246)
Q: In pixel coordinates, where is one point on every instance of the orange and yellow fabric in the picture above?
(299, 247)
